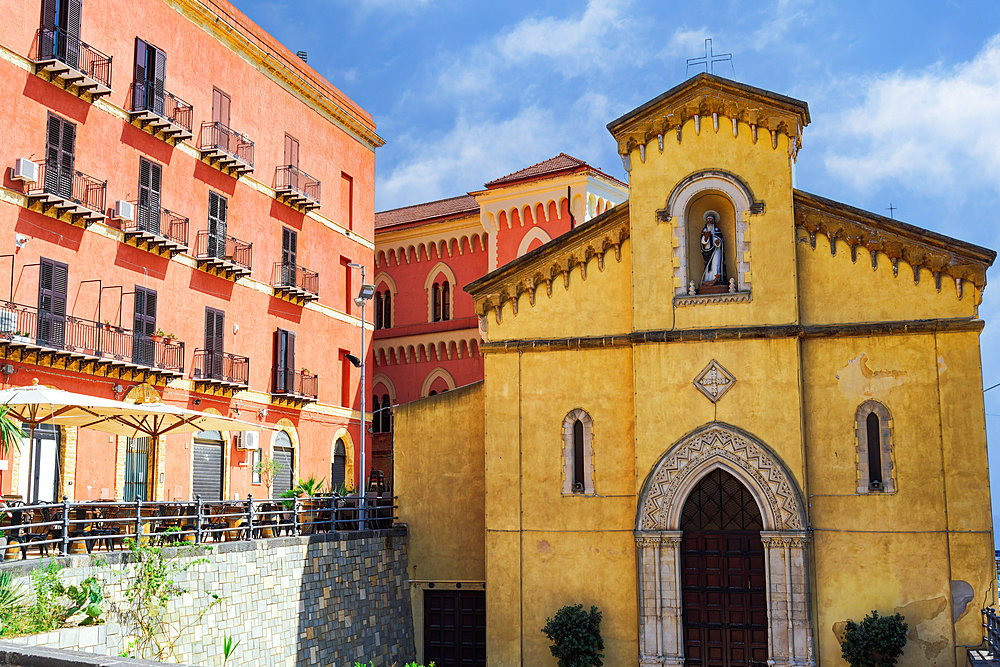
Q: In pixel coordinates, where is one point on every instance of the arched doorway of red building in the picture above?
(723, 575)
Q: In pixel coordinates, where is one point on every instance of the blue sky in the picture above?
(904, 96)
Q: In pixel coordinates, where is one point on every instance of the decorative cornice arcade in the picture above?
(707, 98)
(542, 266)
(919, 248)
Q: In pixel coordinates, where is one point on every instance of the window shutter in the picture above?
(139, 87)
(290, 359)
(74, 17)
(145, 180)
(159, 81)
(216, 225)
(278, 363)
(52, 287)
(155, 172)
(220, 326)
(53, 149)
(47, 39)
(67, 152)
(209, 329)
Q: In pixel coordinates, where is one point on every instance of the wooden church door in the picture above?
(724, 583)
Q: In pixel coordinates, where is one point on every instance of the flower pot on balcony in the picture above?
(155, 338)
(171, 341)
(17, 338)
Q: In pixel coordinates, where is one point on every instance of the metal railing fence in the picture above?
(57, 44)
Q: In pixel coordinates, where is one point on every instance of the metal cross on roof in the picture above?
(709, 60)
(892, 209)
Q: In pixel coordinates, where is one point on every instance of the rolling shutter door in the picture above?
(283, 477)
(339, 470)
(208, 470)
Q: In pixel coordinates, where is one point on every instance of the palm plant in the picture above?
(10, 431)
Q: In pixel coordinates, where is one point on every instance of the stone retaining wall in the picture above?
(319, 600)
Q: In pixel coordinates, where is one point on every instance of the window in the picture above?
(148, 210)
(60, 156)
(289, 256)
(60, 33)
(873, 434)
(136, 469)
(39, 478)
(220, 107)
(254, 469)
(291, 151)
(347, 200)
(436, 296)
(144, 326)
(52, 284)
(345, 262)
(215, 326)
(338, 472)
(217, 213)
(381, 414)
(207, 469)
(578, 453)
(387, 309)
(379, 322)
(284, 362)
(345, 379)
(148, 91)
(445, 301)
(283, 454)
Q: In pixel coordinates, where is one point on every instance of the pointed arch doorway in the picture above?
(723, 575)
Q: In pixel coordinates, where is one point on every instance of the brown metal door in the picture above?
(455, 628)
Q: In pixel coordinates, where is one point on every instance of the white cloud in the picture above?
(934, 132)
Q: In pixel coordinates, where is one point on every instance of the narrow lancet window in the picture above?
(874, 452)
(578, 480)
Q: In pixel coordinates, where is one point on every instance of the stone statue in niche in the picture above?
(713, 280)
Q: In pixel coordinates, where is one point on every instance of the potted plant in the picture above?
(107, 325)
(170, 339)
(305, 371)
(21, 337)
(157, 336)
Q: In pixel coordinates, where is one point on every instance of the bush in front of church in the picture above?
(877, 641)
(576, 636)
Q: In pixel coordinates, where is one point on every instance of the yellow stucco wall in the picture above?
(439, 485)
(796, 391)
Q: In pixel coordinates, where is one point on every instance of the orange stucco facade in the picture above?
(208, 46)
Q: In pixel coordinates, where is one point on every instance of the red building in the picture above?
(427, 333)
(169, 168)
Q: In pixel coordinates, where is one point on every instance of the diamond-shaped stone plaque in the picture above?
(714, 381)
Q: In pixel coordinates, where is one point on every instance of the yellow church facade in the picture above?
(730, 414)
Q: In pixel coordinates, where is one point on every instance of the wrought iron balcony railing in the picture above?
(159, 229)
(295, 281)
(163, 112)
(226, 253)
(296, 188)
(226, 148)
(222, 367)
(298, 384)
(74, 61)
(28, 326)
(69, 190)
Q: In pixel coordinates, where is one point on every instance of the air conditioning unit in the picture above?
(124, 211)
(8, 321)
(25, 170)
(248, 440)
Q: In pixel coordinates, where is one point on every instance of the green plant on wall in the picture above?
(576, 636)
(877, 641)
(149, 585)
(10, 432)
(55, 605)
(266, 469)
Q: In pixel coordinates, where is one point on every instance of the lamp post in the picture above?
(366, 292)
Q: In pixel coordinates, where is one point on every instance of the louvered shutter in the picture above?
(67, 153)
(159, 81)
(140, 101)
(74, 18)
(145, 184)
(288, 256)
(155, 173)
(279, 361)
(53, 150)
(214, 340)
(144, 326)
(47, 39)
(216, 225)
(290, 359)
(52, 287)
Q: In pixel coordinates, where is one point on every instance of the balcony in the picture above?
(295, 283)
(169, 116)
(74, 63)
(226, 149)
(27, 334)
(227, 257)
(294, 387)
(71, 194)
(296, 188)
(221, 371)
(163, 234)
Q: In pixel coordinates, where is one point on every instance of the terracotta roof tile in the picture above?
(454, 207)
(551, 167)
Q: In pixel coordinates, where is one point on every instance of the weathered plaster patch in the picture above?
(961, 596)
(942, 367)
(840, 629)
(544, 547)
(857, 379)
(916, 614)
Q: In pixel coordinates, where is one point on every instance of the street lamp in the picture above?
(366, 292)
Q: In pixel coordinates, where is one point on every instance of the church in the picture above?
(731, 414)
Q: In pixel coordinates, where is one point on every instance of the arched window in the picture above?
(387, 310)
(873, 436)
(376, 415)
(578, 454)
(386, 414)
(338, 473)
(436, 296)
(446, 301)
(378, 310)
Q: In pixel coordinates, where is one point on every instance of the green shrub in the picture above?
(577, 636)
(877, 641)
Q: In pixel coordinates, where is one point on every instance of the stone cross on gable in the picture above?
(710, 58)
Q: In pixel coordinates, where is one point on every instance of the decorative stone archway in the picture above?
(658, 541)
